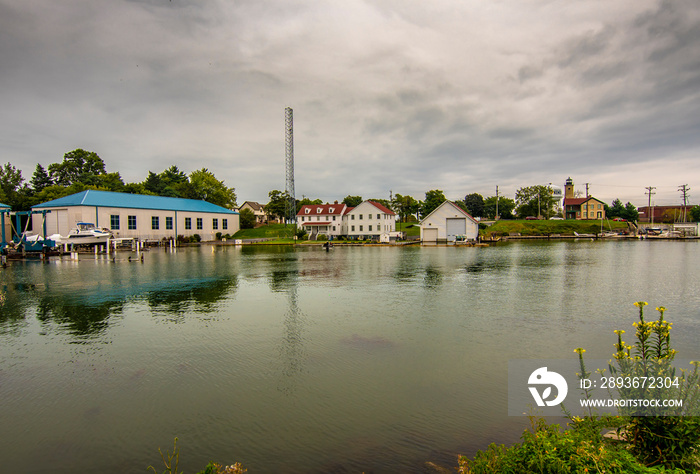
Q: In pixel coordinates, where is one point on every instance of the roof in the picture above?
(379, 206)
(315, 223)
(459, 209)
(256, 206)
(133, 201)
(322, 209)
(578, 201)
(382, 208)
(4, 206)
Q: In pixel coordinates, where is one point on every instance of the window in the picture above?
(352, 217)
(200, 223)
(333, 217)
(360, 216)
(155, 223)
(169, 223)
(114, 222)
(307, 210)
(131, 222)
(318, 218)
(352, 228)
(215, 224)
(333, 228)
(188, 223)
(379, 216)
(370, 228)
(360, 228)
(302, 218)
(224, 224)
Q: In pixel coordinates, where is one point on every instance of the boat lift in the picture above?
(21, 238)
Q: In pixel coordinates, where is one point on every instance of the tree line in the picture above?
(81, 170)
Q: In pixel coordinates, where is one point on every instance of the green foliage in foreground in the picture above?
(548, 450)
(548, 227)
(646, 444)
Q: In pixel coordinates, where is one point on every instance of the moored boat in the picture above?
(86, 233)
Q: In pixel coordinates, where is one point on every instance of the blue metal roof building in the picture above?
(138, 215)
(133, 201)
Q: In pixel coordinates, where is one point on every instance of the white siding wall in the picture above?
(62, 220)
(438, 220)
(380, 222)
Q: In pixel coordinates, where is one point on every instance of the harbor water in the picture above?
(294, 359)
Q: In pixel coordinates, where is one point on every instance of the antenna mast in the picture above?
(291, 207)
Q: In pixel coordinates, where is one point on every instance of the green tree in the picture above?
(505, 207)
(277, 205)
(307, 202)
(695, 214)
(111, 182)
(12, 190)
(205, 186)
(352, 201)
(433, 199)
(78, 166)
(616, 210)
(40, 179)
(246, 219)
(535, 201)
(474, 204)
(631, 213)
(405, 206)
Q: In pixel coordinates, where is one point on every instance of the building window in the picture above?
(318, 218)
(169, 223)
(360, 228)
(360, 216)
(114, 222)
(224, 224)
(333, 228)
(352, 228)
(302, 218)
(215, 224)
(333, 217)
(131, 222)
(378, 216)
(188, 223)
(200, 223)
(370, 228)
(155, 223)
(352, 217)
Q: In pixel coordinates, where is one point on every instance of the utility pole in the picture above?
(291, 206)
(650, 192)
(684, 189)
(587, 184)
(496, 216)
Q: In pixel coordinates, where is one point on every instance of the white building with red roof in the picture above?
(369, 220)
(322, 219)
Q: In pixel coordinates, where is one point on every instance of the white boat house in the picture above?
(448, 223)
(137, 216)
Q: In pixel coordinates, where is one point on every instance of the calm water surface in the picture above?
(300, 360)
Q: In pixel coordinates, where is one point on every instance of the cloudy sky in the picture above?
(388, 95)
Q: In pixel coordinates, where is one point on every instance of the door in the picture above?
(456, 227)
(430, 234)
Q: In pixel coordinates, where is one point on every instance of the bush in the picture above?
(218, 236)
(195, 238)
(546, 449)
(322, 237)
(301, 233)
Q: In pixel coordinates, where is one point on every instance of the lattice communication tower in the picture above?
(291, 207)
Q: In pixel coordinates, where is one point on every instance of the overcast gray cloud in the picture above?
(387, 95)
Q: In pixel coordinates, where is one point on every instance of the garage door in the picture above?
(456, 227)
(430, 235)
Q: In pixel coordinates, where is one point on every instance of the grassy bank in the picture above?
(272, 231)
(544, 227)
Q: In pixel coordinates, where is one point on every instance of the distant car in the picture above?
(531, 218)
(556, 218)
(620, 219)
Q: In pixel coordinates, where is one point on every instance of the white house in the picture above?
(137, 215)
(369, 220)
(448, 222)
(321, 219)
